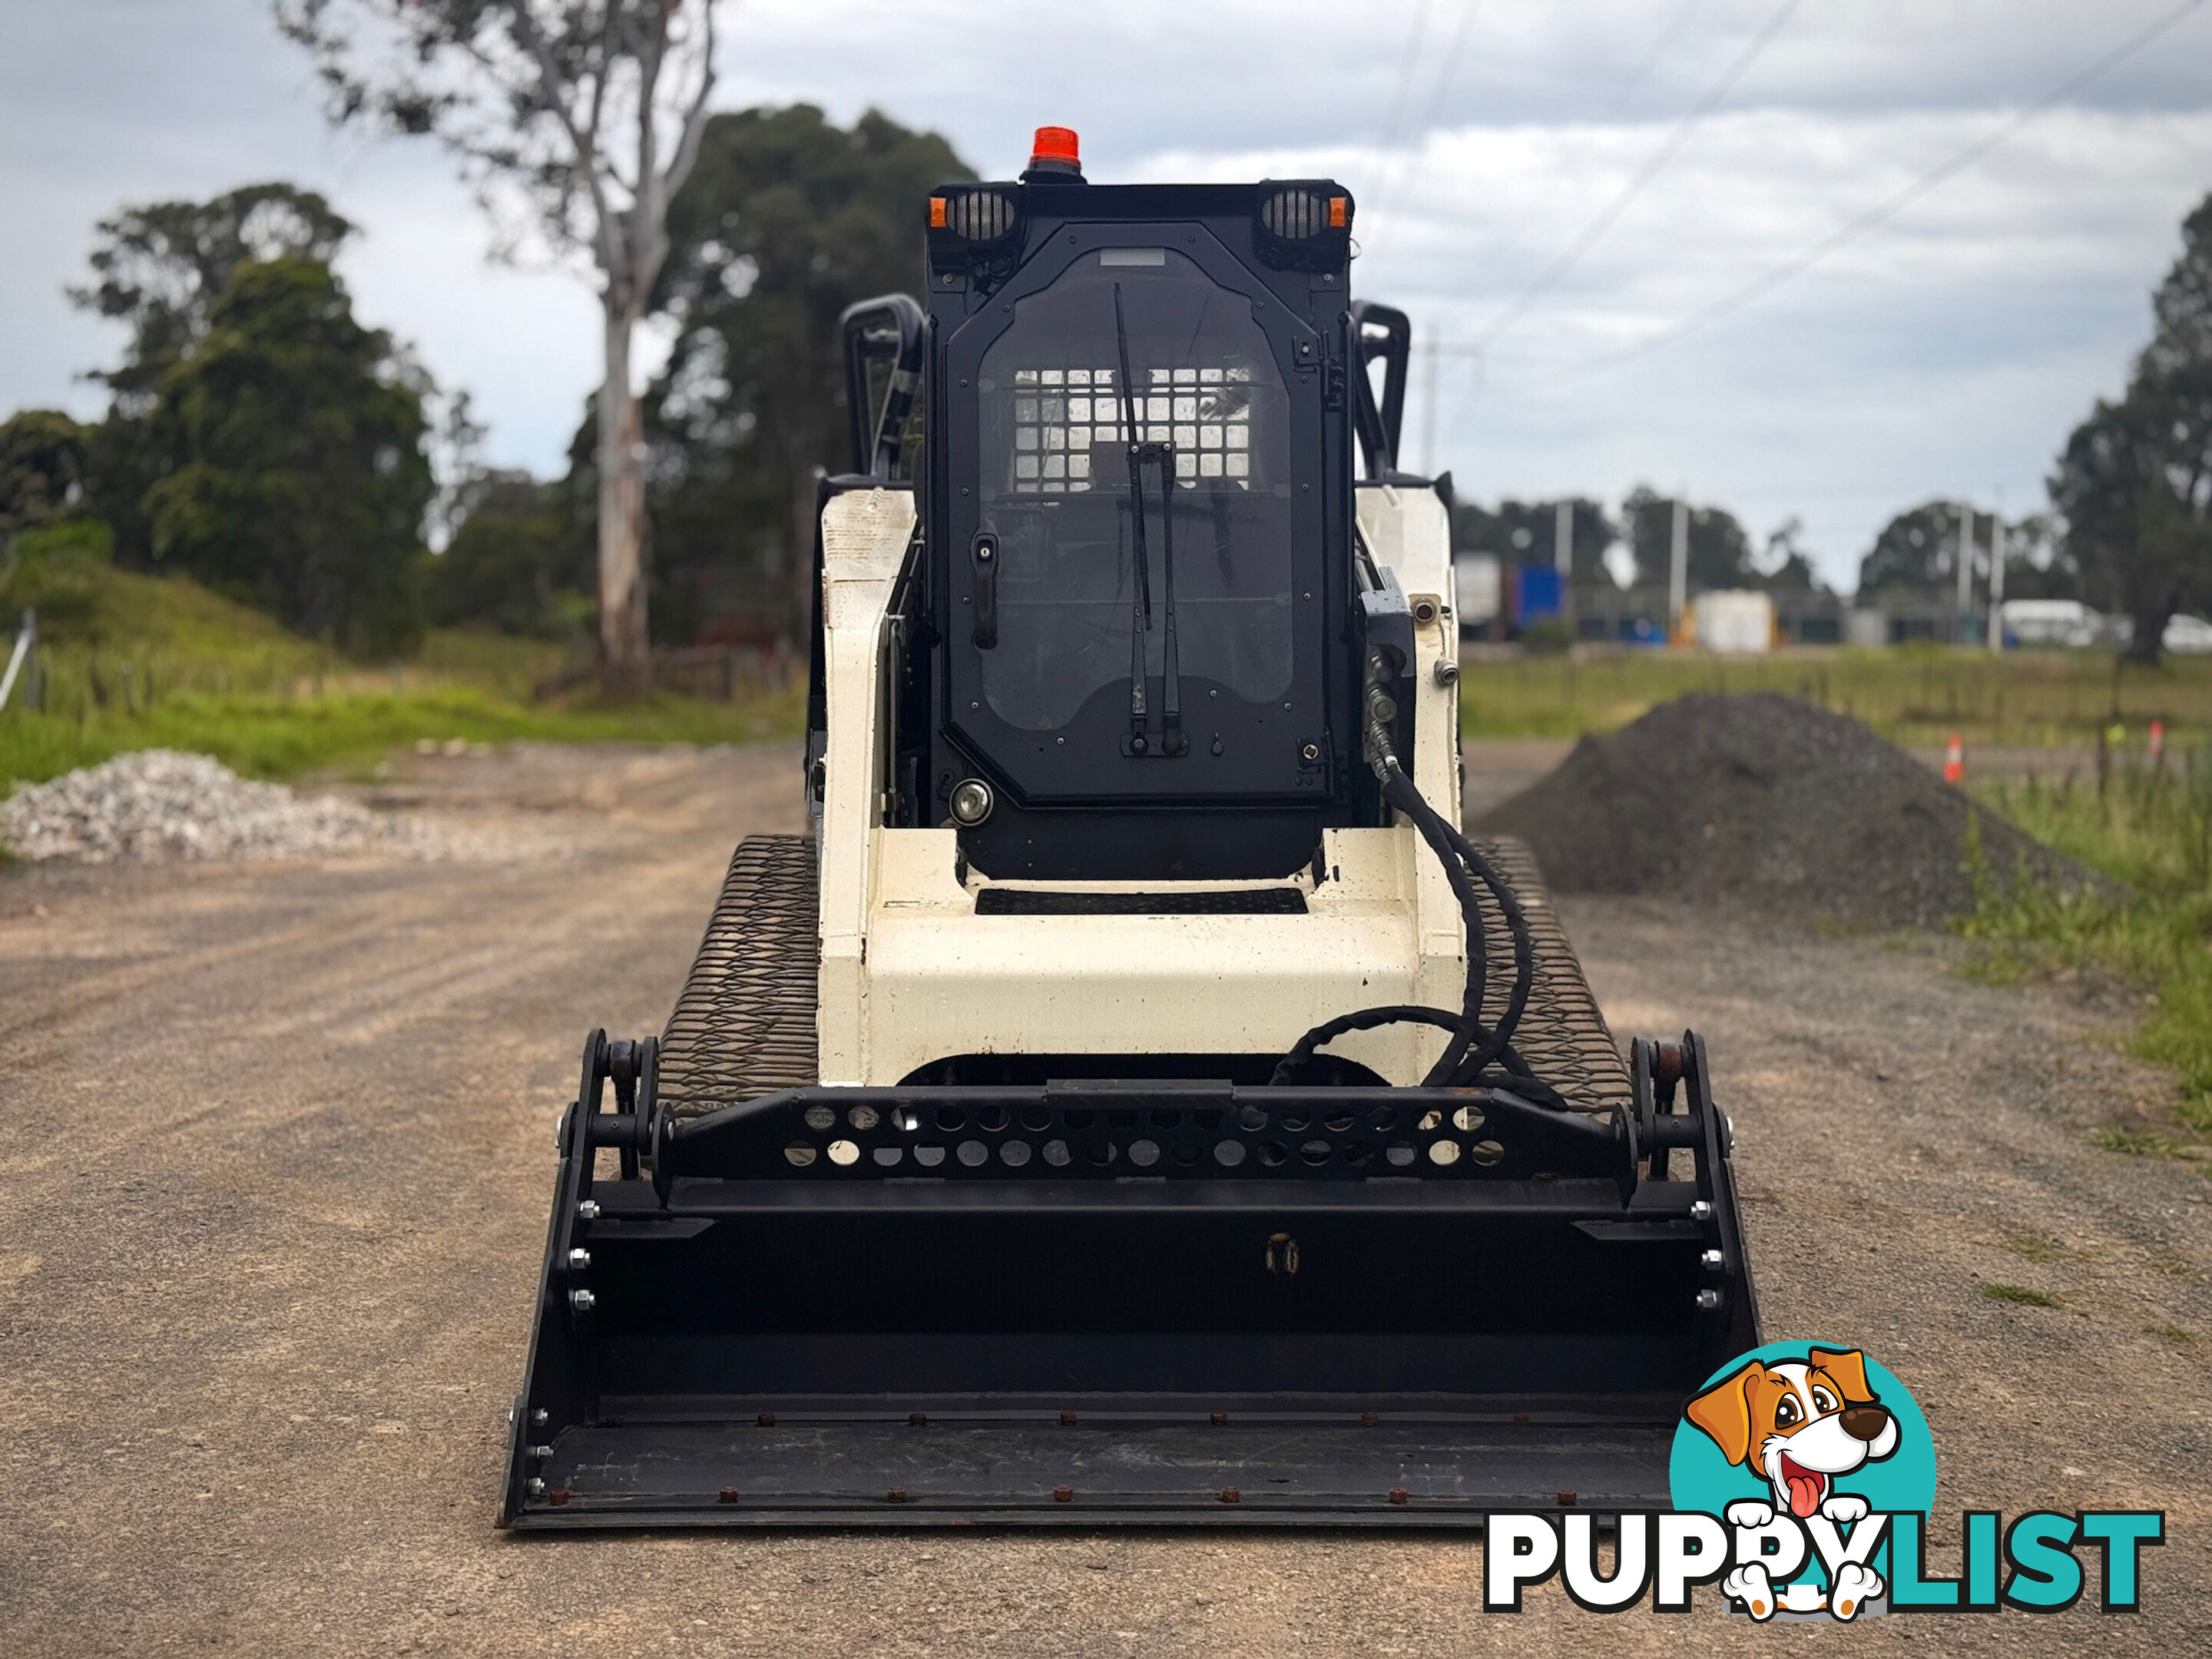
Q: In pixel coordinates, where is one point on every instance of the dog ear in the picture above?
(1848, 1367)
(1723, 1412)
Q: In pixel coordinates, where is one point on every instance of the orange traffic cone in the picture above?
(1954, 761)
(2157, 741)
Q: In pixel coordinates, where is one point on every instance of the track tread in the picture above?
(744, 1024)
(1562, 1036)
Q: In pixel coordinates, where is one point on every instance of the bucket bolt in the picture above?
(1701, 1211)
(1708, 1300)
(579, 1260)
(1713, 1260)
(582, 1301)
(588, 1210)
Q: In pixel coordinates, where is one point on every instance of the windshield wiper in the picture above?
(1140, 454)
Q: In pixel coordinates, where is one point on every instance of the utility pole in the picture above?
(1678, 568)
(1997, 576)
(1966, 602)
(1428, 351)
(1563, 555)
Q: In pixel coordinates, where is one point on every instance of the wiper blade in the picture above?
(1140, 452)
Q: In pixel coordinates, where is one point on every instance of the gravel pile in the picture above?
(157, 804)
(1767, 804)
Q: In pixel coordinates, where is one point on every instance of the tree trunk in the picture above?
(2149, 639)
(622, 515)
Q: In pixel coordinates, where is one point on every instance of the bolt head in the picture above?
(1708, 1300)
(535, 1487)
(582, 1301)
(541, 1417)
(1447, 671)
(971, 801)
(1701, 1211)
(579, 1260)
(1310, 752)
(1713, 1260)
(541, 1453)
(588, 1210)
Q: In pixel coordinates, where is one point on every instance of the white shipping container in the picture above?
(1740, 623)
(1480, 579)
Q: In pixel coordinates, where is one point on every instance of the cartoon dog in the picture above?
(1799, 1424)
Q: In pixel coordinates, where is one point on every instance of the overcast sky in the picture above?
(1491, 144)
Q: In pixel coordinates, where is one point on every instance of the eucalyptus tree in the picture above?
(577, 121)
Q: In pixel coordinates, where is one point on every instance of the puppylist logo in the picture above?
(1803, 1476)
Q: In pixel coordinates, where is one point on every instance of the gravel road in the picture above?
(278, 1150)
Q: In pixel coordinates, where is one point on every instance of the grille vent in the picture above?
(980, 216)
(1294, 214)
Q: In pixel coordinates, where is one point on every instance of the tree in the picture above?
(303, 482)
(2134, 480)
(1785, 566)
(1527, 532)
(787, 220)
(157, 269)
(587, 112)
(515, 564)
(41, 467)
(1719, 551)
(1916, 552)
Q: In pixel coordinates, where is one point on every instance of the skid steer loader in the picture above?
(1137, 1101)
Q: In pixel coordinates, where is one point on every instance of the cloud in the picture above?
(1947, 354)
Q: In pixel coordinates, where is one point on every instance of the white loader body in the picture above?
(912, 974)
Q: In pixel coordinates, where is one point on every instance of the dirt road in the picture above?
(278, 1148)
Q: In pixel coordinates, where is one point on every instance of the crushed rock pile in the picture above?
(1764, 803)
(157, 804)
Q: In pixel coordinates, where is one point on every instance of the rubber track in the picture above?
(1562, 1035)
(744, 1024)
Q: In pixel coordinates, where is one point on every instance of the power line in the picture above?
(1654, 165)
(1874, 217)
(1665, 39)
(1406, 62)
(1388, 215)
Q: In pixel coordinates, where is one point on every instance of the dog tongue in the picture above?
(1804, 1492)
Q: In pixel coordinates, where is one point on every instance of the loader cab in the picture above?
(1133, 640)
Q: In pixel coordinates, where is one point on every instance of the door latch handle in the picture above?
(986, 554)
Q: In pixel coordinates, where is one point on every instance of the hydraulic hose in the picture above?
(1472, 1049)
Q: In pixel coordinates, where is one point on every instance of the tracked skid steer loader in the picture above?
(1136, 1100)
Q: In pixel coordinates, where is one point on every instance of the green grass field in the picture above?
(130, 662)
(2151, 827)
(1909, 695)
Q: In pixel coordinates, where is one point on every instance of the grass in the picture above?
(2035, 1247)
(279, 736)
(1912, 694)
(2150, 826)
(2020, 1295)
(130, 662)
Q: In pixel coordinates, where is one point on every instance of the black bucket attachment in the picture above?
(1090, 1302)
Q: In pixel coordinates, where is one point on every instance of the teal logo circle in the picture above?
(1711, 1467)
